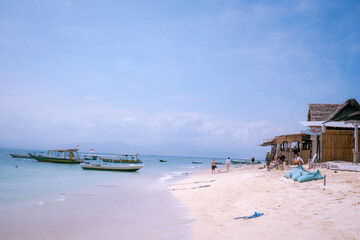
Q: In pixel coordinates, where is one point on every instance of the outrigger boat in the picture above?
(111, 167)
(100, 164)
(121, 158)
(59, 156)
(15, 155)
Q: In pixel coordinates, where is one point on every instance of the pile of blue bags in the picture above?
(301, 175)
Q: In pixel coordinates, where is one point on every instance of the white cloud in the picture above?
(90, 97)
(90, 125)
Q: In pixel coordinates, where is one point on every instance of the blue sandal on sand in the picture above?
(256, 214)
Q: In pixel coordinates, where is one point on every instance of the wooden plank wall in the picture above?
(337, 145)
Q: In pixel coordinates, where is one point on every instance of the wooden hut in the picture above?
(336, 143)
(288, 144)
(340, 143)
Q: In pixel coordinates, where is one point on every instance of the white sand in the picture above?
(292, 210)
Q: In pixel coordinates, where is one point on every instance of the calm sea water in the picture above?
(60, 201)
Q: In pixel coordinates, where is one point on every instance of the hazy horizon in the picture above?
(171, 77)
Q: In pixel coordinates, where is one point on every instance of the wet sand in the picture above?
(292, 210)
(107, 212)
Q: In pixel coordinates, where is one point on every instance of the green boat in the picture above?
(70, 156)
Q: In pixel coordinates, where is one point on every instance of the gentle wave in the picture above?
(170, 176)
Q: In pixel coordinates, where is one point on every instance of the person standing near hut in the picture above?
(296, 151)
(213, 166)
(227, 164)
(267, 159)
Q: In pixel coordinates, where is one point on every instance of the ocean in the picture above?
(62, 201)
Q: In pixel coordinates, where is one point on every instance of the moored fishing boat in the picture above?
(121, 158)
(15, 155)
(70, 156)
(111, 167)
(241, 161)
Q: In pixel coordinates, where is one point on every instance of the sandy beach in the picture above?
(292, 210)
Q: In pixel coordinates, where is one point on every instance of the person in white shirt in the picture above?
(298, 160)
(227, 164)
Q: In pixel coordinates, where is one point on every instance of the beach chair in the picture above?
(312, 163)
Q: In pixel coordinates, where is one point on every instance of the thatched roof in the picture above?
(299, 137)
(351, 106)
(321, 112)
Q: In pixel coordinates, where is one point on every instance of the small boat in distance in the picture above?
(197, 162)
(15, 155)
(70, 156)
(244, 161)
(162, 160)
(121, 158)
(241, 161)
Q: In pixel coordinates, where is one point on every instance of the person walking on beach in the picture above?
(252, 160)
(227, 164)
(213, 166)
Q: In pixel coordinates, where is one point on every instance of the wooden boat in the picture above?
(121, 158)
(89, 157)
(162, 160)
(197, 162)
(15, 155)
(59, 156)
(111, 167)
(244, 161)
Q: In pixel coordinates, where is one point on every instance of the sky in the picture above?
(181, 77)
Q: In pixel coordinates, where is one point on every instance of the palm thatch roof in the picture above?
(350, 107)
(321, 112)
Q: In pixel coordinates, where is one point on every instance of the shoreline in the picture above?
(292, 210)
(101, 211)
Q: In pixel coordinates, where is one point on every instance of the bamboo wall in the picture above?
(337, 145)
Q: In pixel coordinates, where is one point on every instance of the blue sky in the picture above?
(204, 78)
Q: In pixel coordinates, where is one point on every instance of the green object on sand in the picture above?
(301, 175)
(310, 176)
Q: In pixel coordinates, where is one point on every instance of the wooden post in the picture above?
(290, 154)
(356, 125)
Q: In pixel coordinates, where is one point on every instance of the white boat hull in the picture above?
(123, 168)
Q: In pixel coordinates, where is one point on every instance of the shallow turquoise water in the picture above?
(48, 193)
